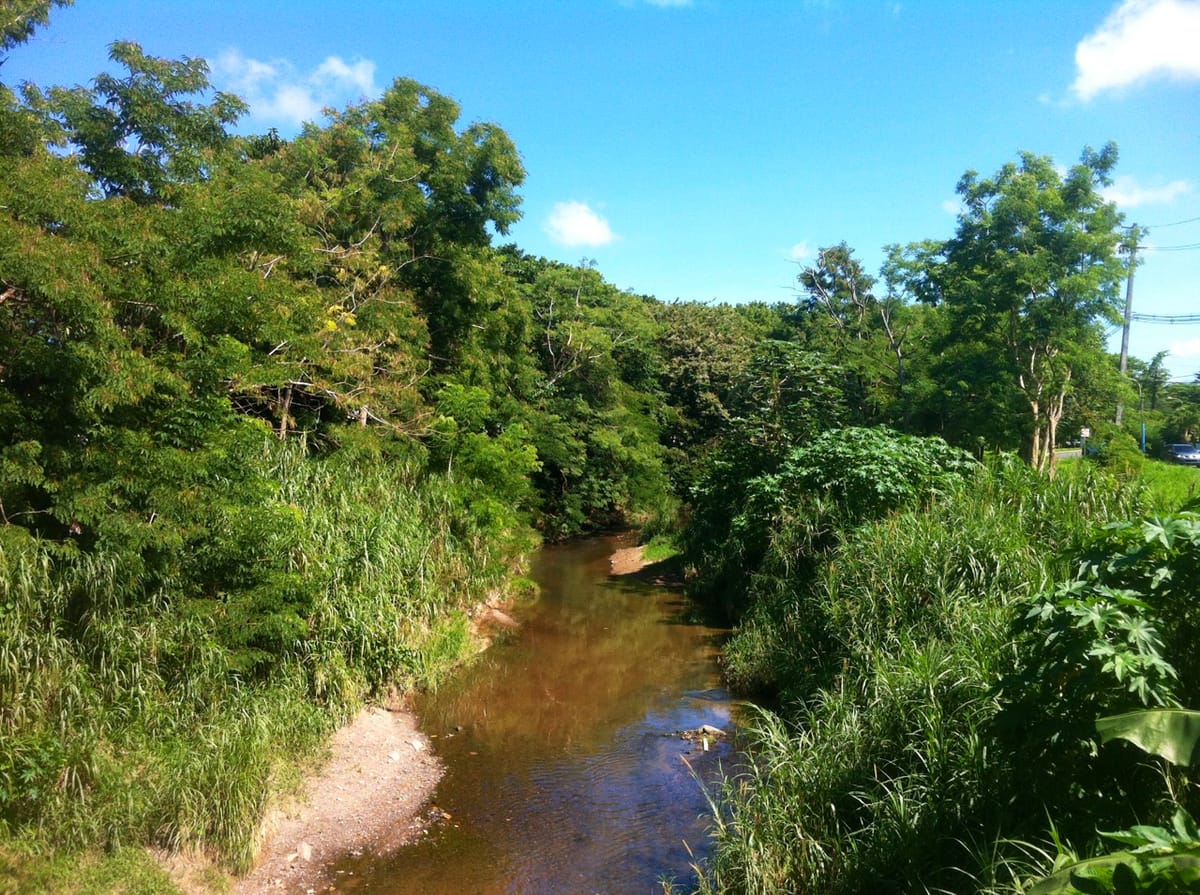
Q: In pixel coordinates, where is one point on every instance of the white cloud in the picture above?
(1140, 40)
(801, 251)
(952, 206)
(575, 224)
(1185, 352)
(1128, 193)
(277, 92)
(335, 71)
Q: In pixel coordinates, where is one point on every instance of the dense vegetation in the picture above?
(940, 654)
(276, 413)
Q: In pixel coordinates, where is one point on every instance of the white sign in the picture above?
(1085, 432)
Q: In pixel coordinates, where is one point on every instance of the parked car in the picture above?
(1188, 454)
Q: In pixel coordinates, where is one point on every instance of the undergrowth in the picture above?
(132, 717)
(883, 640)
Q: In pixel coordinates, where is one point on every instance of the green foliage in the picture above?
(869, 472)
(136, 135)
(167, 720)
(706, 349)
(20, 18)
(589, 403)
(868, 336)
(1158, 860)
(219, 533)
(274, 414)
(26, 870)
(1120, 627)
(1169, 486)
(659, 548)
(1155, 859)
(882, 766)
(1117, 451)
(1026, 283)
(788, 517)
(1173, 734)
(783, 397)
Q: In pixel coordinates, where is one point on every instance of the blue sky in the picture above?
(705, 150)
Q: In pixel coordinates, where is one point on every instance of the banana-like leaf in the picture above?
(1089, 877)
(1070, 881)
(1173, 734)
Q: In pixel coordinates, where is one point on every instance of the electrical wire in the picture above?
(1165, 318)
(1172, 224)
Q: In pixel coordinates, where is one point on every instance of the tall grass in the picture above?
(877, 772)
(126, 718)
(1170, 485)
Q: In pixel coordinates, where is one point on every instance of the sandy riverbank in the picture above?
(368, 798)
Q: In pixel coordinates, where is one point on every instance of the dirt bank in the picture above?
(370, 797)
(628, 560)
(631, 561)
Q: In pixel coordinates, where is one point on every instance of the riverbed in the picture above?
(565, 768)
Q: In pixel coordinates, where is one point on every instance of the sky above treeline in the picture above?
(707, 149)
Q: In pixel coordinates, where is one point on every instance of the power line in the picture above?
(1186, 247)
(1172, 224)
(1166, 318)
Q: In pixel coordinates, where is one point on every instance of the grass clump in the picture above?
(659, 548)
(27, 869)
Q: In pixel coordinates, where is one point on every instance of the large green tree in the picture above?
(1031, 274)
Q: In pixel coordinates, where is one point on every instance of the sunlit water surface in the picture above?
(564, 770)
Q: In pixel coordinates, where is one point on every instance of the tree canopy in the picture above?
(1031, 277)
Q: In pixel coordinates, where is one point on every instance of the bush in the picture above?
(869, 472)
(1121, 454)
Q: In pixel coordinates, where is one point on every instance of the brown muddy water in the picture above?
(565, 773)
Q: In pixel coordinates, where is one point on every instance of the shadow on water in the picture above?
(565, 771)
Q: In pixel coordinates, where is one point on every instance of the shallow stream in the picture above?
(565, 770)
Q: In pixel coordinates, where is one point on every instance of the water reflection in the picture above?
(564, 773)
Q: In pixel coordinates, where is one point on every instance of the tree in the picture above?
(782, 399)
(866, 334)
(19, 19)
(1032, 271)
(399, 205)
(138, 135)
(1154, 379)
(705, 349)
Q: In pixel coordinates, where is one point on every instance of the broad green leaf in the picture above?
(1172, 734)
(1125, 881)
(1066, 881)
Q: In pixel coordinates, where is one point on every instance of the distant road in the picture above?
(1067, 452)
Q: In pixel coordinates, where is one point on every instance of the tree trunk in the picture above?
(1054, 413)
(1035, 438)
(284, 411)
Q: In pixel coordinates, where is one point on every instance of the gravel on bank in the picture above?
(367, 799)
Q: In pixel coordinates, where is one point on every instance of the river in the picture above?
(565, 770)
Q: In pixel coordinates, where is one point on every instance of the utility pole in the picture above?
(1132, 247)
